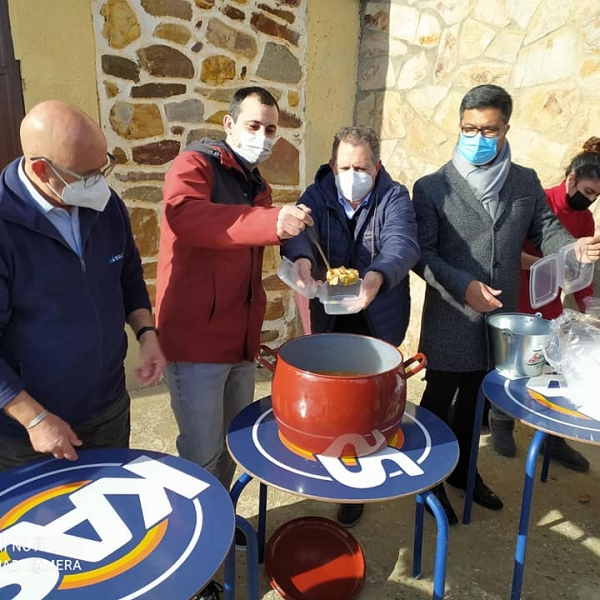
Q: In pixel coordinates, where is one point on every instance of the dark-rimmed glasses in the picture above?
(89, 180)
(487, 132)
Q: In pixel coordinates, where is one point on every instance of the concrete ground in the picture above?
(563, 556)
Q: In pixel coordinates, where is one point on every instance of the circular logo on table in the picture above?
(421, 455)
(143, 527)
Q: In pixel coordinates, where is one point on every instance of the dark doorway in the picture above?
(12, 108)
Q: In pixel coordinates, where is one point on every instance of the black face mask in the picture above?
(578, 201)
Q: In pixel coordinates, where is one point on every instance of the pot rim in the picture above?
(395, 367)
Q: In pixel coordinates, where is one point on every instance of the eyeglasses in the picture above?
(88, 180)
(486, 132)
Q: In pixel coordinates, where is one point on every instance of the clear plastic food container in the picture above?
(558, 271)
(336, 299)
(340, 299)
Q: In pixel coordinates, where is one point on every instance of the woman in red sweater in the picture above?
(569, 201)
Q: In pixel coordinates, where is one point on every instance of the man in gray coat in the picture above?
(473, 216)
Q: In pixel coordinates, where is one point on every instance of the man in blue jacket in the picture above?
(364, 221)
(70, 278)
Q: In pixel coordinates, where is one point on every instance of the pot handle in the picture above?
(267, 363)
(418, 358)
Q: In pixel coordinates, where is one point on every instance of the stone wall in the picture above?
(166, 72)
(418, 59)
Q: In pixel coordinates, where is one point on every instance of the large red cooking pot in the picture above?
(339, 394)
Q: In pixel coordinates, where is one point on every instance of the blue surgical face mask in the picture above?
(478, 150)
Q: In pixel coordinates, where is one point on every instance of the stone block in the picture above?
(293, 98)
(224, 36)
(179, 34)
(269, 335)
(447, 56)
(284, 15)
(158, 90)
(144, 223)
(270, 260)
(156, 153)
(205, 4)
(150, 270)
(282, 167)
(275, 310)
(217, 118)
(117, 66)
(120, 155)
(289, 120)
(481, 73)
(273, 283)
(111, 89)
(180, 9)
(266, 25)
(217, 70)
(283, 196)
(164, 61)
(475, 38)
(121, 26)
(136, 121)
(137, 176)
(531, 66)
(147, 193)
(279, 64)
(205, 132)
(377, 16)
(549, 109)
(414, 70)
(233, 13)
(188, 111)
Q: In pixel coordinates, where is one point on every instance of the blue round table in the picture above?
(116, 523)
(537, 403)
(424, 454)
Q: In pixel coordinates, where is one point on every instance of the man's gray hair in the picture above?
(355, 135)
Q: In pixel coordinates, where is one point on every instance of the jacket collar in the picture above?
(16, 206)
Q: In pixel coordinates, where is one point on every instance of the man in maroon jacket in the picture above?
(217, 218)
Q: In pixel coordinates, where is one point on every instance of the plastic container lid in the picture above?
(284, 272)
(555, 271)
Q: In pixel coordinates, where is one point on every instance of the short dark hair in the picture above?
(586, 164)
(264, 96)
(488, 96)
(355, 135)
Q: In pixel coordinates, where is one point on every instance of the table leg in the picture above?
(243, 480)
(546, 462)
(474, 455)
(262, 521)
(441, 545)
(418, 539)
(251, 562)
(532, 454)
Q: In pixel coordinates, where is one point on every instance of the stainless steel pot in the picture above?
(518, 342)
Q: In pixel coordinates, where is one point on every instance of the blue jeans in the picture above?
(205, 397)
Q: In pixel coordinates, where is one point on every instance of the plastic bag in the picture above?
(574, 352)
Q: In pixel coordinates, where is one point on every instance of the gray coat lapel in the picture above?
(460, 185)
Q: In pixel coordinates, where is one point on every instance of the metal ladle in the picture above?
(313, 236)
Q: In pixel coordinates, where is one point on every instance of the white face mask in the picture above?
(253, 148)
(353, 185)
(95, 196)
